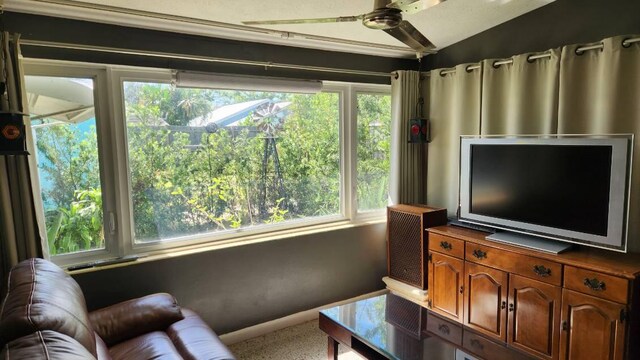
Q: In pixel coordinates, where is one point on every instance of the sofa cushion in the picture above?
(102, 352)
(41, 296)
(45, 344)
(129, 319)
(194, 339)
(154, 345)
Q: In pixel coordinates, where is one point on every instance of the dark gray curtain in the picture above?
(21, 235)
(406, 183)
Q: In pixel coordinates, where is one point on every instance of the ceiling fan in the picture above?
(386, 16)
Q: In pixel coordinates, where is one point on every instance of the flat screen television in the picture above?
(569, 189)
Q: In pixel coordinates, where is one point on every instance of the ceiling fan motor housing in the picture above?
(384, 18)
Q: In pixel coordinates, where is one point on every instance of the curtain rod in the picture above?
(266, 65)
(580, 50)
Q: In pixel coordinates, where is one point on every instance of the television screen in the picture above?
(564, 187)
(573, 189)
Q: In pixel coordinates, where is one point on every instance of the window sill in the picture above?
(233, 242)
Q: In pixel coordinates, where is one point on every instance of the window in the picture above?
(65, 137)
(212, 160)
(162, 167)
(374, 138)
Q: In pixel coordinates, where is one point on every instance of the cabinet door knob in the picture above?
(479, 254)
(443, 328)
(475, 343)
(461, 290)
(446, 245)
(541, 270)
(564, 326)
(511, 307)
(594, 284)
(503, 305)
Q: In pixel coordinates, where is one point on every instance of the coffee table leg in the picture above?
(332, 349)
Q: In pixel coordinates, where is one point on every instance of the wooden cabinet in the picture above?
(582, 304)
(485, 300)
(534, 316)
(445, 285)
(592, 328)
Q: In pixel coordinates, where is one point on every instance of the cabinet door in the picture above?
(485, 300)
(591, 328)
(534, 316)
(445, 285)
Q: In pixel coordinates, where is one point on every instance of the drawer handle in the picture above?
(595, 284)
(477, 344)
(541, 270)
(444, 329)
(446, 245)
(479, 254)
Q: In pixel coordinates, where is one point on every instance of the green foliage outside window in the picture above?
(186, 182)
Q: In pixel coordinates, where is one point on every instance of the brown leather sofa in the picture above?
(44, 316)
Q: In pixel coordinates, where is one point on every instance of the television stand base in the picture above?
(530, 242)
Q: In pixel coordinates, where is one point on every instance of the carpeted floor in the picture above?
(300, 342)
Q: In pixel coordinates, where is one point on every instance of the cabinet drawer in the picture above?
(597, 284)
(445, 329)
(446, 245)
(488, 349)
(528, 266)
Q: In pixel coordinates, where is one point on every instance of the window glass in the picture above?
(374, 136)
(205, 161)
(64, 131)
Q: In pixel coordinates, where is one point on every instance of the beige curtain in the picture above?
(21, 235)
(406, 183)
(454, 110)
(600, 94)
(521, 97)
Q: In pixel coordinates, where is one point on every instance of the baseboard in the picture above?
(291, 320)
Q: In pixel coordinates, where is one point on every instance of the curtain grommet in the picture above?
(468, 68)
(530, 60)
(579, 52)
(626, 44)
(494, 65)
(442, 73)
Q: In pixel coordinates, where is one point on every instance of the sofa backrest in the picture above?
(41, 296)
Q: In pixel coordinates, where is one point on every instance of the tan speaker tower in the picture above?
(407, 243)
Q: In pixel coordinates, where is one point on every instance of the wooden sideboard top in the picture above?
(608, 262)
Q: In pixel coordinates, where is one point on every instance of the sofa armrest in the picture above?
(131, 318)
(194, 339)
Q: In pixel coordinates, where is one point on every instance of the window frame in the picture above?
(104, 141)
(113, 152)
(373, 90)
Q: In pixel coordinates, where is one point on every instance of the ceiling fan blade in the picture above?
(306, 21)
(413, 6)
(409, 35)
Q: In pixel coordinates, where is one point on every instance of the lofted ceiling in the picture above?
(443, 24)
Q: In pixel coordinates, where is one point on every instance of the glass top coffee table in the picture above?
(391, 327)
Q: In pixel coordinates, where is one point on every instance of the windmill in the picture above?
(269, 118)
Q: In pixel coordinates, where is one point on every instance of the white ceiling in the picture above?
(444, 24)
